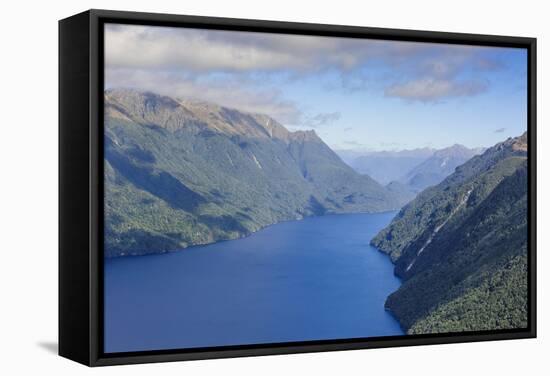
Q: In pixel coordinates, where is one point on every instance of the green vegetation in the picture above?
(461, 247)
(500, 301)
(185, 173)
(437, 167)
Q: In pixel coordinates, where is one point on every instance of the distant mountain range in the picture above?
(181, 173)
(438, 166)
(409, 170)
(385, 166)
(461, 247)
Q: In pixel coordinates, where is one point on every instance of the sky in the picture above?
(357, 94)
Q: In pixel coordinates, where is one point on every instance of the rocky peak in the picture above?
(519, 143)
(173, 114)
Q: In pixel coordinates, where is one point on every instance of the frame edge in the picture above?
(94, 357)
(74, 251)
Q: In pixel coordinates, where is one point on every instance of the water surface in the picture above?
(314, 279)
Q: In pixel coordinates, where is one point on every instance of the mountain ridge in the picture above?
(410, 169)
(385, 166)
(438, 166)
(459, 240)
(174, 114)
(178, 175)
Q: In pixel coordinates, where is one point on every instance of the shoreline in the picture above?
(247, 235)
(197, 246)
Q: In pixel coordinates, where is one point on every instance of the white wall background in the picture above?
(28, 186)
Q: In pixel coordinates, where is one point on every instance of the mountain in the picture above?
(437, 167)
(348, 155)
(414, 169)
(181, 173)
(385, 166)
(403, 191)
(460, 247)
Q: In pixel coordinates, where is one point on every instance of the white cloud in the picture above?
(204, 50)
(199, 50)
(229, 93)
(433, 89)
(180, 61)
(322, 119)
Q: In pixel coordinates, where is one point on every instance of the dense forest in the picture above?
(181, 173)
(460, 247)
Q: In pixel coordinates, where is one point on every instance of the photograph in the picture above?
(265, 188)
(278, 188)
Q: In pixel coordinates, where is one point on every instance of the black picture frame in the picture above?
(81, 185)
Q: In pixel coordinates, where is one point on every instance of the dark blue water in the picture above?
(314, 279)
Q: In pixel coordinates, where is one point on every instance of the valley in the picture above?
(461, 247)
(183, 173)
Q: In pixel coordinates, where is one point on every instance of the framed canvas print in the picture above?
(235, 187)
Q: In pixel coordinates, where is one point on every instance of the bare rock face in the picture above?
(520, 143)
(174, 114)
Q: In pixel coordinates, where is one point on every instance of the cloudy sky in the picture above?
(356, 93)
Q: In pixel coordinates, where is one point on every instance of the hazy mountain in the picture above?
(385, 166)
(461, 247)
(438, 166)
(348, 155)
(181, 173)
(417, 168)
(403, 191)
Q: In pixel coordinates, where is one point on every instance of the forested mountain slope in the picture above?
(438, 166)
(386, 166)
(181, 173)
(461, 247)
